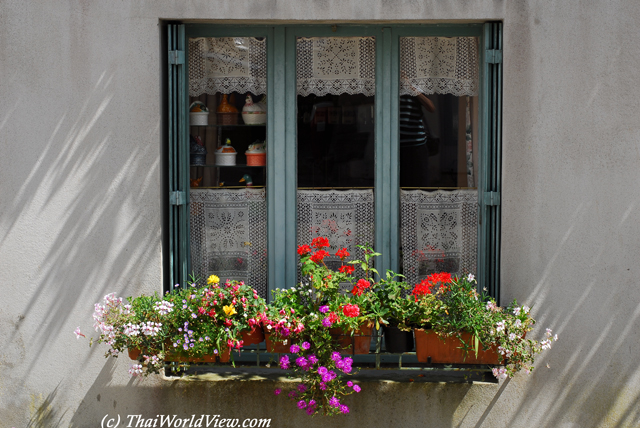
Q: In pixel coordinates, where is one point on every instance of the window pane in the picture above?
(227, 78)
(335, 141)
(438, 109)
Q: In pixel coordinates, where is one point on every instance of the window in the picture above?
(386, 135)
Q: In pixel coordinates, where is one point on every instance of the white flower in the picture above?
(500, 326)
(500, 373)
(516, 311)
(512, 336)
(78, 334)
(470, 277)
(518, 324)
(526, 309)
(136, 369)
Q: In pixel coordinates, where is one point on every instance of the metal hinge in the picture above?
(491, 198)
(177, 198)
(494, 56)
(176, 57)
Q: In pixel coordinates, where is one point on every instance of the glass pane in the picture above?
(438, 109)
(335, 141)
(228, 111)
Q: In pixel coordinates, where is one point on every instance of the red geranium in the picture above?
(421, 289)
(346, 269)
(333, 317)
(342, 253)
(304, 249)
(318, 256)
(320, 242)
(360, 286)
(351, 311)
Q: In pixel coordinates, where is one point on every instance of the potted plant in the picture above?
(467, 327)
(399, 314)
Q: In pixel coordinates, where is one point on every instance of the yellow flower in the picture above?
(229, 310)
(213, 279)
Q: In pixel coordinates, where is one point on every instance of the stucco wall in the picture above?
(80, 212)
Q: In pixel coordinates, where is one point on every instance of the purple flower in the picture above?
(340, 365)
(322, 370)
(284, 362)
(324, 309)
(285, 332)
(344, 409)
(301, 361)
(349, 384)
(323, 386)
(332, 374)
(326, 377)
(335, 356)
(310, 411)
(302, 388)
(302, 404)
(312, 359)
(277, 391)
(334, 402)
(347, 369)
(356, 388)
(292, 394)
(294, 349)
(348, 361)
(305, 345)
(326, 322)
(312, 403)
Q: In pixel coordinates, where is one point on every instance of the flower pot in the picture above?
(397, 341)
(431, 348)
(358, 343)
(279, 346)
(253, 336)
(134, 353)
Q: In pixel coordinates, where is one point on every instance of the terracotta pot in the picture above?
(358, 343)
(253, 336)
(134, 353)
(397, 341)
(431, 348)
(280, 346)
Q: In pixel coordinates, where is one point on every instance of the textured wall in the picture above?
(80, 211)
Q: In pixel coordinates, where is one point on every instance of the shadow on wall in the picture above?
(587, 241)
(380, 404)
(80, 213)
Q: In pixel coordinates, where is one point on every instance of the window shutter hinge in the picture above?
(494, 56)
(491, 198)
(176, 57)
(177, 198)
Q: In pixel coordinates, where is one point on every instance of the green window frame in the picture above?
(281, 134)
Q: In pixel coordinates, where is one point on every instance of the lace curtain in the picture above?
(439, 232)
(439, 65)
(226, 65)
(346, 217)
(229, 235)
(334, 65)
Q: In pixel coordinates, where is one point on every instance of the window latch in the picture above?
(177, 198)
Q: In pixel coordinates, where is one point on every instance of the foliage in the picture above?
(198, 321)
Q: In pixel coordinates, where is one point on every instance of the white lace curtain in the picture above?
(346, 217)
(334, 65)
(439, 232)
(439, 65)
(229, 235)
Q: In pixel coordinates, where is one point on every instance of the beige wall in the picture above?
(80, 214)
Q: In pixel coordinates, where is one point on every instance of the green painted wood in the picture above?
(491, 149)
(383, 139)
(178, 165)
(289, 107)
(394, 145)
